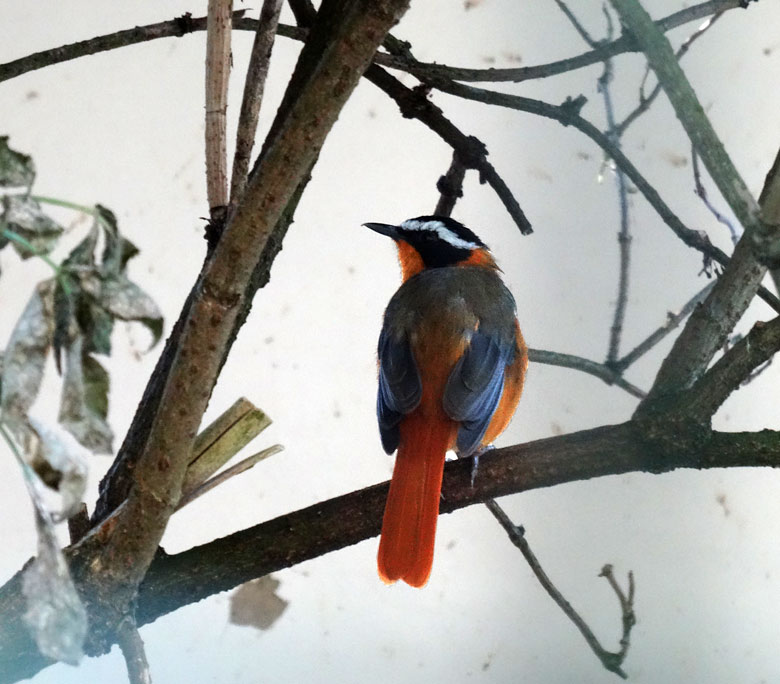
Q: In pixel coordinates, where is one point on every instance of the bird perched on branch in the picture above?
(451, 367)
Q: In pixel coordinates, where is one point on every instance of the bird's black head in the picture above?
(439, 240)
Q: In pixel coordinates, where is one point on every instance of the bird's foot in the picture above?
(475, 461)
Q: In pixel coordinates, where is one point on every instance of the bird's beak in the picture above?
(384, 229)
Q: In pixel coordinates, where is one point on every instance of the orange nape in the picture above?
(409, 523)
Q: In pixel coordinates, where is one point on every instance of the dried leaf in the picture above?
(85, 400)
(128, 302)
(57, 452)
(95, 323)
(55, 615)
(25, 355)
(83, 254)
(96, 385)
(16, 169)
(257, 604)
(24, 216)
(64, 322)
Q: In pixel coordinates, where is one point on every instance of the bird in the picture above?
(451, 366)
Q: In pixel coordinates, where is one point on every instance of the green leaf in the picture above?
(24, 216)
(16, 169)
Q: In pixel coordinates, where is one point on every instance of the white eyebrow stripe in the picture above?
(441, 230)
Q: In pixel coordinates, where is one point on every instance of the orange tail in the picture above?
(409, 524)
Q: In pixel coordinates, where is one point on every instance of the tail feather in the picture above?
(412, 509)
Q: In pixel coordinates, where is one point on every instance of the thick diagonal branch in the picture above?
(341, 45)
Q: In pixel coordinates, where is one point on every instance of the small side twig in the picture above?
(626, 609)
(226, 474)
(450, 186)
(598, 370)
(132, 647)
(645, 101)
(256, 75)
(414, 104)
(624, 235)
(672, 321)
(611, 661)
(701, 193)
(217, 76)
(568, 115)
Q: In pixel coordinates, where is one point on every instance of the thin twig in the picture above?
(701, 193)
(611, 661)
(624, 236)
(597, 370)
(217, 78)
(626, 608)
(626, 43)
(414, 104)
(226, 474)
(578, 25)
(646, 101)
(187, 24)
(132, 647)
(672, 321)
(661, 57)
(256, 75)
(450, 186)
(707, 329)
(567, 114)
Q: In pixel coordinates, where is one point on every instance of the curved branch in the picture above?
(184, 578)
(626, 43)
(414, 104)
(568, 115)
(598, 370)
(187, 24)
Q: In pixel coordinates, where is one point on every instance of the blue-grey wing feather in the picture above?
(400, 387)
(475, 385)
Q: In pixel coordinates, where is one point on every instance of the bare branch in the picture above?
(673, 320)
(568, 115)
(598, 370)
(732, 369)
(217, 79)
(645, 102)
(626, 609)
(450, 187)
(654, 44)
(341, 45)
(414, 104)
(132, 646)
(257, 72)
(701, 192)
(187, 24)
(610, 661)
(240, 467)
(176, 580)
(428, 71)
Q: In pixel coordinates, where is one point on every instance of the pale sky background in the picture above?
(125, 129)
